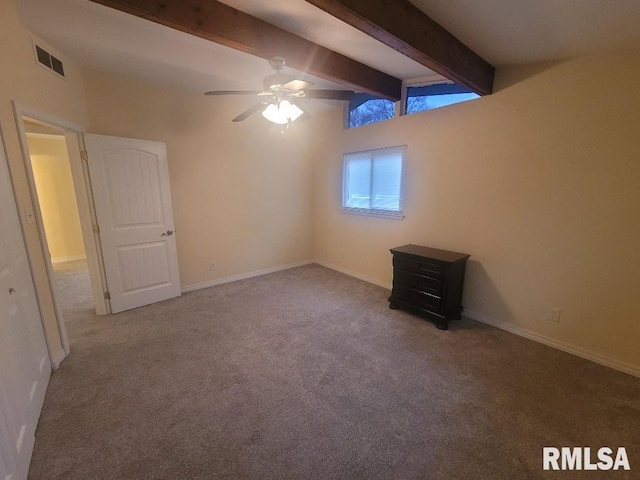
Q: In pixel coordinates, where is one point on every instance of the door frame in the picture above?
(84, 198)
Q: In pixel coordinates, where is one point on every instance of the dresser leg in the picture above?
(393, 306)
(443, 325)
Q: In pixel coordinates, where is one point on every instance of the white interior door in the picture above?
(130, 180)
(24, 364)
(8, 466)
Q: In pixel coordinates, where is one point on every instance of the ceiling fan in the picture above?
(279, 103)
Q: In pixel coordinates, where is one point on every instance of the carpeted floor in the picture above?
(74, 289)
(307, 374)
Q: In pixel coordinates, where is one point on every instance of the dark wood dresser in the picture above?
(428, 281)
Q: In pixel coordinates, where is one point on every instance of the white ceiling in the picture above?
(502, 31)
(507, 32)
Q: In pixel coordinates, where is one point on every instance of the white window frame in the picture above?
(373, 212)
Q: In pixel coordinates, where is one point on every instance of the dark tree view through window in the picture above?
(365, 109)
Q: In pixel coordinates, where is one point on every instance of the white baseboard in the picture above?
(68, 259)
(536, 337)
(354, 274)
(57, 359)
(243, 276)
(551, 342)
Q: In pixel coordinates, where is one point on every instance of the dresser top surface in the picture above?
(433, 253)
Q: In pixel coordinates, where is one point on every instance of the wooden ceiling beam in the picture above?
(220, 23)
(405, 28)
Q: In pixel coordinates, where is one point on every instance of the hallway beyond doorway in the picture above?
(74, 291)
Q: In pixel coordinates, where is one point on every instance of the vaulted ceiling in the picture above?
(500, 32)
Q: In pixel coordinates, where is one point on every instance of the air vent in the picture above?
(49, 61)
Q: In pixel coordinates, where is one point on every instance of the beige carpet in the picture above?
(74, 289)
(307, 374)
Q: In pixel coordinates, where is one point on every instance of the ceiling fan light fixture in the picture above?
(282, 113)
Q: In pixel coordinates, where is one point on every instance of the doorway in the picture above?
(55, 173)
(121, 189)
(54, 188)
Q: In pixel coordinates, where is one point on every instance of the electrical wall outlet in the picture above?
(212, 266)
(554, 315)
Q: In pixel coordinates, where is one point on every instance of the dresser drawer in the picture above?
(418, 265)
(416, 297)
(419, 282)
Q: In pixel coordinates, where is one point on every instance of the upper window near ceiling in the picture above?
(437, 95)
(365, 109)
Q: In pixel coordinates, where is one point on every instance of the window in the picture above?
(365, 109)
(372, 182)
(436, 95)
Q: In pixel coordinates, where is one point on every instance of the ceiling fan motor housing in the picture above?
(280, 94)
(273, 82)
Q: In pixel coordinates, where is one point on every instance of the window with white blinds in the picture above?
(372, 182)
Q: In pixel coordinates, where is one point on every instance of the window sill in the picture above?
(373, 213)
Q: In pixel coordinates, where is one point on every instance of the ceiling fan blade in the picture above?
(247, 113)
(329, 94)
(296, 85)
(233, 92)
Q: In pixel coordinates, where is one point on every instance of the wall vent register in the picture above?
(47, 60)
(428, 282)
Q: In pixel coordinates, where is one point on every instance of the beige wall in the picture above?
(539, 183)
(240, 191)
(52, 173)
(23, 81)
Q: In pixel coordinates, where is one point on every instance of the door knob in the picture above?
(168, 233)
